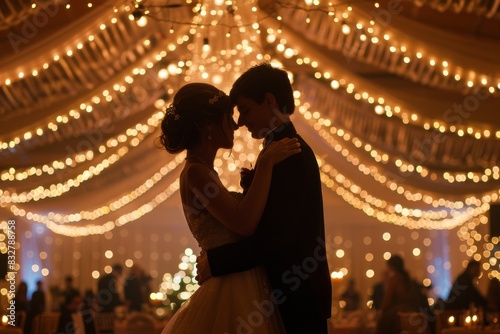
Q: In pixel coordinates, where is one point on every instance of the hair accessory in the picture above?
(171, 111)
(216, 97)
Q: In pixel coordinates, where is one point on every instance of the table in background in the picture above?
(463, 330)
(10, 330)
(122, 327)
(351, 327)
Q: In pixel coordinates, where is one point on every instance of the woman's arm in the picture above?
(240, 217)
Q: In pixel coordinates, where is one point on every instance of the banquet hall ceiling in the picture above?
(400, 98)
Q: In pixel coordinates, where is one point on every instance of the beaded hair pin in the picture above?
(171, 111)
(216, 97)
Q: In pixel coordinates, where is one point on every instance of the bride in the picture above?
(200, 120)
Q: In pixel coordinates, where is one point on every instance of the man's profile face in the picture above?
(255, 116)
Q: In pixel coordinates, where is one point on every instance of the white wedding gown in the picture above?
(235, 303)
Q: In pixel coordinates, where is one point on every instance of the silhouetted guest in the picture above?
(464, 292)
(145, 287)
(378, 292)
(133, 293)
(351, 297)
(71, 320)
(22, 302)
(37, 306)
(110, 287)
(89, 309)
(401, 294)
(69, 289)
(377, 295)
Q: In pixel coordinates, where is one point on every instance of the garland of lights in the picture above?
(381, 106)
(364, 40)
(106, 209)
(52, 124)
(471, 238)
(77, 231)
(129, 138)
(430, 219)
(324, 101)
(393, 185)
(56, 190)
(394, 214)
(65, 54)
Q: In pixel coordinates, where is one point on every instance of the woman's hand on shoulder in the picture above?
(279, 150)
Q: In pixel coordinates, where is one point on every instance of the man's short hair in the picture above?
(261, 79)
(473, 263)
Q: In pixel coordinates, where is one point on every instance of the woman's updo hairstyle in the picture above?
(193, 106)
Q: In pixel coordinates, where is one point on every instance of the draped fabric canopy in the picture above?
(399, 99)
(396, 89)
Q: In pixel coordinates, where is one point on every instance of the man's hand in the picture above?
(203, 268)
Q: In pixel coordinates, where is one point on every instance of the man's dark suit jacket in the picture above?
(289, 240)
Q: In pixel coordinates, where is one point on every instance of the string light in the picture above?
(318, 122)
(387, 213)
(129, 138)
(380, 104)
(39, 67)
(113, 206)
(393, 110)
(381, 157)
(78, 231)
(119, 88)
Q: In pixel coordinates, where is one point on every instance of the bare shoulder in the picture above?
(195, 174)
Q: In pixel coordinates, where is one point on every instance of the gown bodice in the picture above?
(209, 232)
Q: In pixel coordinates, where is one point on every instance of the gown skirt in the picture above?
(235, 303)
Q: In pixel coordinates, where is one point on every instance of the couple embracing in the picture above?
(263, 266)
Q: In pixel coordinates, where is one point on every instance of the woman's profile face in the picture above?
(228, 127)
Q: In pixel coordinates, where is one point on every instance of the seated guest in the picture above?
(464, 292)
(71, 320)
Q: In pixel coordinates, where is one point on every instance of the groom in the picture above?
(290, 239)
